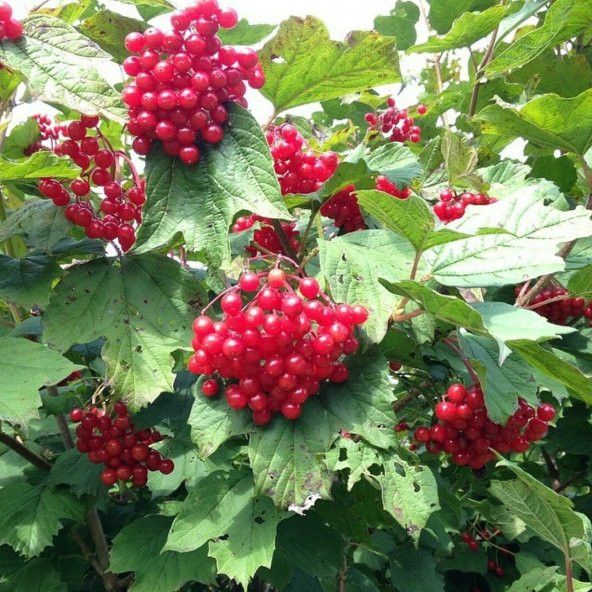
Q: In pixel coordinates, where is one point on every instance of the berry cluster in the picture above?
(48, 130)
(561, 310)
(396, 124)
(465, 431)
(121, 209)
(451, 206)
(344, 210)
(298, 168)
(265, 236)
(385, 184)
(113, 441)
(278, 347)
(183, 78)
(10, 28)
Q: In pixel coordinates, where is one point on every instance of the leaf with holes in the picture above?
(286, 457)
(302, 65)
(409, 494)
(141, 305)
(200, 201)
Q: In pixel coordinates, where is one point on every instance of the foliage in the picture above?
(355, 494)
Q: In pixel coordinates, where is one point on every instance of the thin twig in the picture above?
(404, 401)
(25, 452)
(568, 482)
(552, 469)
(306, 232)
(474, 377)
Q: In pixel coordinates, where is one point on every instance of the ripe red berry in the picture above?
(108, 477)
(546, 412)
(210, 387)
(76, 414)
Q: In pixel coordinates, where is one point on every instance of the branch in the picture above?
(552, 469)
(480, 71)
(563, 486)
(25, 452)
(543, 281)
(404, 401)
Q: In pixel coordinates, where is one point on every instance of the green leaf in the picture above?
(506, 322)
(27, 366)
(560, 171)
(200, 201)
(547, 121)
(409, 494)
(580, 283)
(108, 30)
(302, 65)
(27, 281)
(356, 457)
(140, 306)
(9, 82)
(466, 30)
(210, 509)
(40, 221)
(534, 233)
(74, 469)
(443, 12)
(63, 66)
(534, 579)
(140, 548)
(38, 165)
(553, 366)
(460, 157)
(400, 23)
(352, 265)
(564, 19)
(285, 457)
(20, 138)
(244, 33)
(502, 383)
(213, 422)
(38, 575)
(447, 308)
(394, 161)
(417, 568)
(547, 513)
(566, 75)
(250, 541)
(33, 514)
(362, 404)
(409, 217)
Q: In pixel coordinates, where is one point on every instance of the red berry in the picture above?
(546, 412)
(210, 387)
(108, 477)
(76, 414)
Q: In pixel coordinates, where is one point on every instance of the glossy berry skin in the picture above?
(452, 206)
(119, 212)
(394, 124)
(466, 433)
(274, 347)
(184, 76)
(111, 440)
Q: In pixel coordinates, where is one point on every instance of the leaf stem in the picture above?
(464, 359)
(277, 226)
(399, 318)
(307, 230)
(26, 453)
